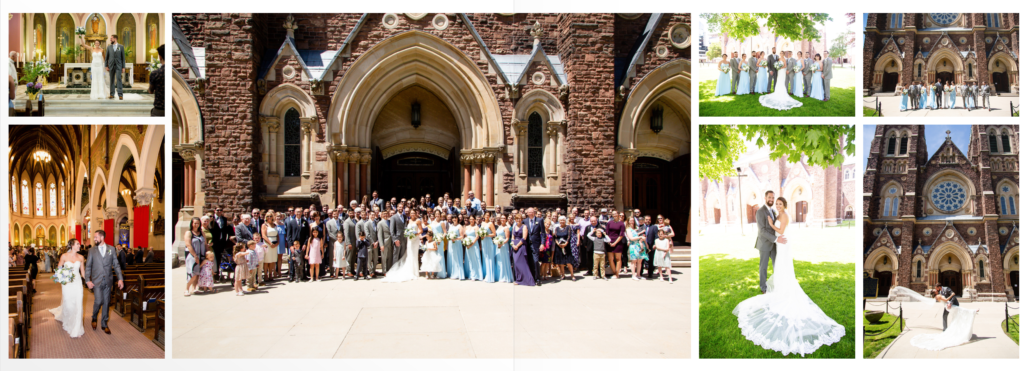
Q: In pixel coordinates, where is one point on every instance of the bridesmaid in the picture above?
(455, 250)
(487, 248)
(437, 229)
(798, 81)
(522, 273)
(931, 97)
(903, 102)
(761, 86)
(473, 269)
(817, 91)
(952, 94)
(724, 87)
(744, 86)
(502, 263)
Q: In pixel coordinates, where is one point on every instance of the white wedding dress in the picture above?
(960, 322)
(100, 78)
(785, 319)
(406, 269)
(69, 313)
(779, 100)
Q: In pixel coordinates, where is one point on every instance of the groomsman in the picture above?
(963, 91)
(789, 73)
(938, 93)
(397, 229)
(985, 91)
(826, 76)
(534, 239)
(734, 70)
(912, 92)
(351, 230)
(807, 74)
(369, 228)
(331, 226)
(772, 72)
(384, 241)
(752, 62)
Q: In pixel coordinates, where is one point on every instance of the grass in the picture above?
(870, 112)
(841, 104)
(725, 282)
(873, 345)
(1014, 332)
(845, 224)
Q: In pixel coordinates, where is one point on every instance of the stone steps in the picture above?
(681, 257)
(107, 108)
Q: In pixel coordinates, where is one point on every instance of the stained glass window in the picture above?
(292, 143)
(535, 145)
(25, 205)
(981, 268)
(53, 199)
(14, 193)
(949, 196)
(1013, 206)
(895, 207)
(918, 269)
(888, 204)
(892, 146)
(1002, 204)
(63, 208)
(903, 144)
(944, 18)
(993, 143)
(992, 19)
(1006, 143)
(39, 199)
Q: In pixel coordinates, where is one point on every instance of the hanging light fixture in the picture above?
(39, 154)
(416, 115)
(657, 121)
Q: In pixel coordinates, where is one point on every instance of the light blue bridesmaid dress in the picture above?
(455, 257)
(761, 86)
(798, 81)
(903, 103)
(817, 91)
(502, 260)
(931, 98)
(487, 252)
(438, 228)
(473, 269)
(952, 100)
(970, 101)
(744, 85)
(724, 87)
(923, 103)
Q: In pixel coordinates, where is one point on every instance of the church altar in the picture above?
(78, 75)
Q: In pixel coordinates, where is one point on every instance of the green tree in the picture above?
(823, 145)
(714, 51)
(793, 26)
(839, 45)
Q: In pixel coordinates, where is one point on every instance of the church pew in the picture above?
(144, 302)
(13, 288)
(159, 332)
(120, 299)
(16, 311)
(13, 349)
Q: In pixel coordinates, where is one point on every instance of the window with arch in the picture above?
(53, 199)
(992, 19)
(1006, 141)
(891, 147)
(919, 69)
(993, 142)
(895, 20)
(25, 204)
(292, 143)
(535, 146)
(63, 207)
(1007, 199)
(918, 269)
(14, 194)
(970, 71)
(39, 199)
(891, 201)
(904, 140)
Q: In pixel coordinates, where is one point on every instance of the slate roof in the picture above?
(187, 53)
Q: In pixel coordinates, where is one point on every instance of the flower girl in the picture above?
(431, 260)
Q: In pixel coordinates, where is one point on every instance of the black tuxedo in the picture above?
(222, 230)
(303, 238)
(534, 240)
(938, 94)
(652, 236)
(947, 292)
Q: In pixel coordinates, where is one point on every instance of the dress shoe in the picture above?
(106, 330)
(120, 98)
(110, 97)
(93, 325)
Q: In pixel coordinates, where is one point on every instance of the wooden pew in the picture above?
(19, 286)
(13, 349)
(149, 291)
(120, 299)
(18, 331)
(160, 333)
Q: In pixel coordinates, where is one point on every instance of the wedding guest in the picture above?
(431, 260)
(546, 255)
(650, 234)
(314, 252)
(349, 229)
(562, 251)
(261, 256)
(663, 256)
(270, 255)
(156, 85)
(195, 249)
(282, 244)
(241, 270)
(616, 231)
(748, 75)
(637, 248)
(984, 92)
(206, 273)
(362, 246)
(339, 263)
(487, 248)
(295, 262)
(474, 268)
(521, 265)
(601, 243)
(252, 263)
(456, 252)
(723, 85)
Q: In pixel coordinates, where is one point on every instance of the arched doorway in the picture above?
(751, 214)
(177, 188)
(889, 81)
(1001, 82)
(653, 191)
(884, 283)
(945, 76)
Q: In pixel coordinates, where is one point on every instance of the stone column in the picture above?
(307, 149)
(552, 131)
(189, 156)
(489, 160)
(520, 131)
(478, 175)
(627, 179)
(467, 178)
(340, 168)
(364, 163)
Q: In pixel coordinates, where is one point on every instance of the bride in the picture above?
(780, 99)
(961, 321)
(69, 313)
(785, 319)
(98, 72)
(408, 269)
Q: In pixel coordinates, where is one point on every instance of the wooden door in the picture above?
(801, 212)
(1001, 82)
(884, 283)
(889, 82)
(952, 280)
(1015, 283)
(718, 215)
(413, 175)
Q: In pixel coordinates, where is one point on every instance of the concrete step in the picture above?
(86, 108)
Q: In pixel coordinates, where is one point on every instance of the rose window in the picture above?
(949, 196)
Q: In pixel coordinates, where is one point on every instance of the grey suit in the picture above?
(115, 62)
(386, 244)
(826, 77)
(97, 271)
(752, 62)
(398, 235)
(765, 243)
(984, 102)
(351, 235)
(773, 73)
(734, 70)
(368, 227)
(807, 76)
(964, 92)
(790, 75)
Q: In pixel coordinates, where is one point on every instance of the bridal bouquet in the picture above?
(948, 89)
(410, 233)
(64, 275)
(80, 30)
(778, 65)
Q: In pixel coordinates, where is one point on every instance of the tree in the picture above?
(714, 51)
(819, 145)
(839, 45)
(793, 26)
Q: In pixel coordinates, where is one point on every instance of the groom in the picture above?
(773, 73)
(97, 273)
(766, 238)
(945, 295)
(115, 65)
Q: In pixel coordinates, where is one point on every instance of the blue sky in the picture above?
(935, 135)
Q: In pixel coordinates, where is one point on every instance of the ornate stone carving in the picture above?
(520, 127)
(271, 122)
(538, 78)
(187, 155)
(200, 85)
(680, 35)
(440, 22)
(290, 24)
(144, 196)
(563, 91)
(110, 213)
(307, 127)
(390, 21)
(512, 90)
(553, 128)
(537, 31)
(261, 86)
(340, 155)
(316, 87)
(365, 158)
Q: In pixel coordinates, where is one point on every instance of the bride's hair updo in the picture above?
(782, 200)
(71, 243)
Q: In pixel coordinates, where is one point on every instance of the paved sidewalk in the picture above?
(989, 341)
(436, 319)
(891, 108)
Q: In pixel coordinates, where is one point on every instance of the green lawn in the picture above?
(876, 343)
(870, 112)
(1014, 328)
(845, 224)
(842, 102)
(725, 282)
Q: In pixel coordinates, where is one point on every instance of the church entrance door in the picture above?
(946, 77)
(718, 215)
(415, 175)
(952, 280)
(1001, 82)
(889, 82)
(1015, 283)
(801, 212)
(884, 283)
(656, 186)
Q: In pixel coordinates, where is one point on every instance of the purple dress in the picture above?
(521, 266)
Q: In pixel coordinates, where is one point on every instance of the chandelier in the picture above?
(40, 154)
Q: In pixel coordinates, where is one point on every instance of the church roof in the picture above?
(187, 53)
(625, 71)
(886, 238)
(1009, 240)
(926, 248)
(974, 248)
(886, 41)
(939, 152)
(1006, 48)
(515, 65)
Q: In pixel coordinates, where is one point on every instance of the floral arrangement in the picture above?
(745, 67)
(796, 68)
(35, 69)
(154, 65)
(440, 236)
(499, 241)
(80, 30)
(948, 89)
(33, 87)
(778, 65)
(64, 275)
(410, 233)
(725, 68)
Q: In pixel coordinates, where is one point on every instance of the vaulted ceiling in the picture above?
(60, 141)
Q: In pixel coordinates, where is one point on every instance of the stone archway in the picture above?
(887, 72)
(951, 257)
(800, 198)
(1003, 73)
(944, 60)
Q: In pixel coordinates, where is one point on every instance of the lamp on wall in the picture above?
(416, 115)
(657, 121)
